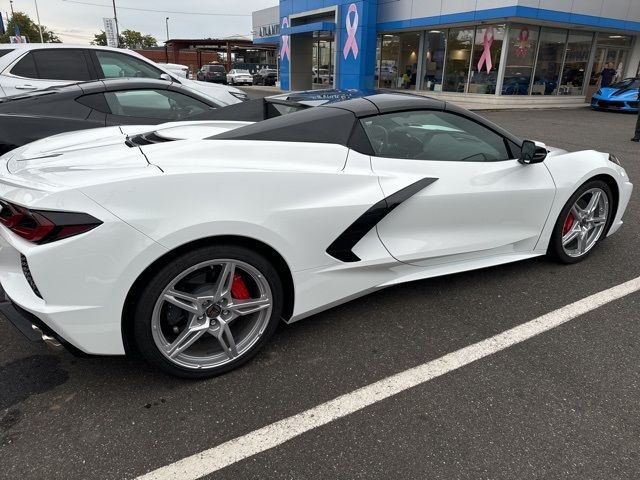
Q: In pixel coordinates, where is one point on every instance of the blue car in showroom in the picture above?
(622, 96)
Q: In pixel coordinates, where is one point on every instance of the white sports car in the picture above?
(189, 242)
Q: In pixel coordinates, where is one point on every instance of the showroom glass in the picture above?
(551, 53)
(54, 64)
(115, 65)
(521, 56)
(485, 61)
(433, 135)
(159, 104)
(575, 63)
(388, 65)
(433, 67)
(399, 64)
(459, 44)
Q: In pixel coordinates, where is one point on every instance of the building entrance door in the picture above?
(324, 49)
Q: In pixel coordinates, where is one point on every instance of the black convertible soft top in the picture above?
(338, 123)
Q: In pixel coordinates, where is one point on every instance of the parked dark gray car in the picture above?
(212, 73)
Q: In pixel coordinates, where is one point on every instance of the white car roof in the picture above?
(40, 46)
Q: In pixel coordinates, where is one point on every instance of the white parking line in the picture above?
(277, 433)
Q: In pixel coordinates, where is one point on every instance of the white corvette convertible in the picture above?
(190, 242)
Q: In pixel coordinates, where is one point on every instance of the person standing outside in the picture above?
(607, 75)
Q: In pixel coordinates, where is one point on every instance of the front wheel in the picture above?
(208, 311)
(583, 222)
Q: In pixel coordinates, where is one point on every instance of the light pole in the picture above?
(115, 18)
(11, 4)
(166, 44)
(39, 25)
(166, 21)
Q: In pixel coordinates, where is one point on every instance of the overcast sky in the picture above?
(76, 21)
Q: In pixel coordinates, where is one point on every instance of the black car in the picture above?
(212, 73)
(266, 76)
(31, 116)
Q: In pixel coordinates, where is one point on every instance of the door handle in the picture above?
(26, 87)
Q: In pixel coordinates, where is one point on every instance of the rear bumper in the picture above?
(33, 328)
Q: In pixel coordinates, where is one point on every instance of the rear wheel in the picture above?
(208, 311)
(583, 222)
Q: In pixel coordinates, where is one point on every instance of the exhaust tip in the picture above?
(50, 341)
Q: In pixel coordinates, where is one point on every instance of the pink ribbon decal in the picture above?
(523, 45)
(284, 50)
(351, 45)
(485, 59)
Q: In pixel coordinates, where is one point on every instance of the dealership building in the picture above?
(545, 50)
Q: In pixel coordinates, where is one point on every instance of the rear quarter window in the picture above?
(25, 67)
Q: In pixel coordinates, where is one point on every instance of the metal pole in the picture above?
(115, 18)
(11, 3)
(166, 21)
(39, 25)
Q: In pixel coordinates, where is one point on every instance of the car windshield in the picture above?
(627, 83)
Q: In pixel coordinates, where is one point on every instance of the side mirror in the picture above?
(532, 152)
(166, 76)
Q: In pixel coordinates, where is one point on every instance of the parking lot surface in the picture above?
(564, 404)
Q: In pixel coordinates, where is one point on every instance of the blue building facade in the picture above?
(501, 47)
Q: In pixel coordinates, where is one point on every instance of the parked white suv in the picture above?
(35, 66)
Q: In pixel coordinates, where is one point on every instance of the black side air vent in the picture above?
(148, 138)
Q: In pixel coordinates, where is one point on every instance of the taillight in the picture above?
(44, 226)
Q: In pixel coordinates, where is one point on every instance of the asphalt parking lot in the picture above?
(564, 404)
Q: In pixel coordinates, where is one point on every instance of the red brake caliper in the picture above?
(568, 223)
(239, 290)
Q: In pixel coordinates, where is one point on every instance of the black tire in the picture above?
(147, 300)
(555, 249)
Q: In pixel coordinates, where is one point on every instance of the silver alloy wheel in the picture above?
(197, 323)
(585, 222)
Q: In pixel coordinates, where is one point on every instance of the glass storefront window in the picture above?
(388, 70)
(551, 54)
(521, 57)
(399, 62)
(575, 64)
(459, 45)
(486, 59)
(408, 61)
(613, 39)
(432, 68)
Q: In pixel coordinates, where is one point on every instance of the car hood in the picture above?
(219, 92)
(98, 155)
(618, 93)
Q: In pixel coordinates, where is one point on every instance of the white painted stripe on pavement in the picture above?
(228, 453)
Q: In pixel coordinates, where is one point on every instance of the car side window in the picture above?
(157, 104)
(62, 64)
(115, 65)
(434, 135)
(26, 67)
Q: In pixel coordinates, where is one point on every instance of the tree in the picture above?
(127, 39)
(28, 29)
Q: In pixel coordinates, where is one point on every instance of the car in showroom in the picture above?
(265, 76)
(27, 67)
(621, 96)
(239, 76)
(38, 114)
(189, 242)
(214, 73)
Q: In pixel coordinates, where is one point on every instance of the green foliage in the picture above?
(127, 39)
(29, 29)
